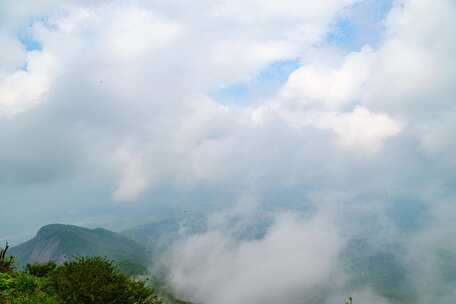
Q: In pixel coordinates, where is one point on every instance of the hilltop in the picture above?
(58, 242)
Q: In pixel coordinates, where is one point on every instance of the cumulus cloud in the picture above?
(330, 87)
(359, 129)
(152, 81)
(25, 88)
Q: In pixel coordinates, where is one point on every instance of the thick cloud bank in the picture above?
(296, 259)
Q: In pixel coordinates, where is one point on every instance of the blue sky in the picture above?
(361, 25)
(262, 85)
(27, 40)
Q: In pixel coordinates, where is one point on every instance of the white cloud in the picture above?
(293, 260)
(133, 180)
(22, 89)
(152, 90)
(361, 296)
(431, 254)
(327, 87)
(131, 31)
(359, 129)
(13, 54)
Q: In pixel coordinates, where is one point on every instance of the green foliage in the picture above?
(93, 280)
(6, 281)
(41, 270)
(83, 280)
(22, 288)
(131, 269)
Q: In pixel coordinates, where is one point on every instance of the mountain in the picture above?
(159, 235)
(57, 242)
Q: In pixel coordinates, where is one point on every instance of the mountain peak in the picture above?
(60, 241)
(50, 229)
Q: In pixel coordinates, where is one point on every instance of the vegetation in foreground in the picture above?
(82, 280)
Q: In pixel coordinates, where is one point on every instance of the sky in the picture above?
(115, 113)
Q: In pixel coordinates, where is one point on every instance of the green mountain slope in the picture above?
(57, 242)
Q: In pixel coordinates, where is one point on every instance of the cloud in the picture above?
(357, 129)
(330, 88)
(301, 257)
(133, 180)
(25, 88)
(361, 296)
(430, 256)
(117, 106)
(13, 53)
(294, 260)
(149, 86)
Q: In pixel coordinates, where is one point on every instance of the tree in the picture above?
(41, 270)
(6, 263)
(23, 288)
(131, 269)
(94, 280)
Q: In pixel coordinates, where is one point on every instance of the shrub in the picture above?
(22, 288)
(95, 280)
(41, 270)
(131, 269)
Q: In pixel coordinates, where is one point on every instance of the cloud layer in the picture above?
(296, 260)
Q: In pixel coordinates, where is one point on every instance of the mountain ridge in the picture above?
(57, 242)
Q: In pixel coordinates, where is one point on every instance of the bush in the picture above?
(83, 280)
(41, 270)
(6, 281)
(22, 288)
(95, 280)
(131, 269)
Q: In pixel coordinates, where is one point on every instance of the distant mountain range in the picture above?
(138, 245)
(158, 236)
(58, 242)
